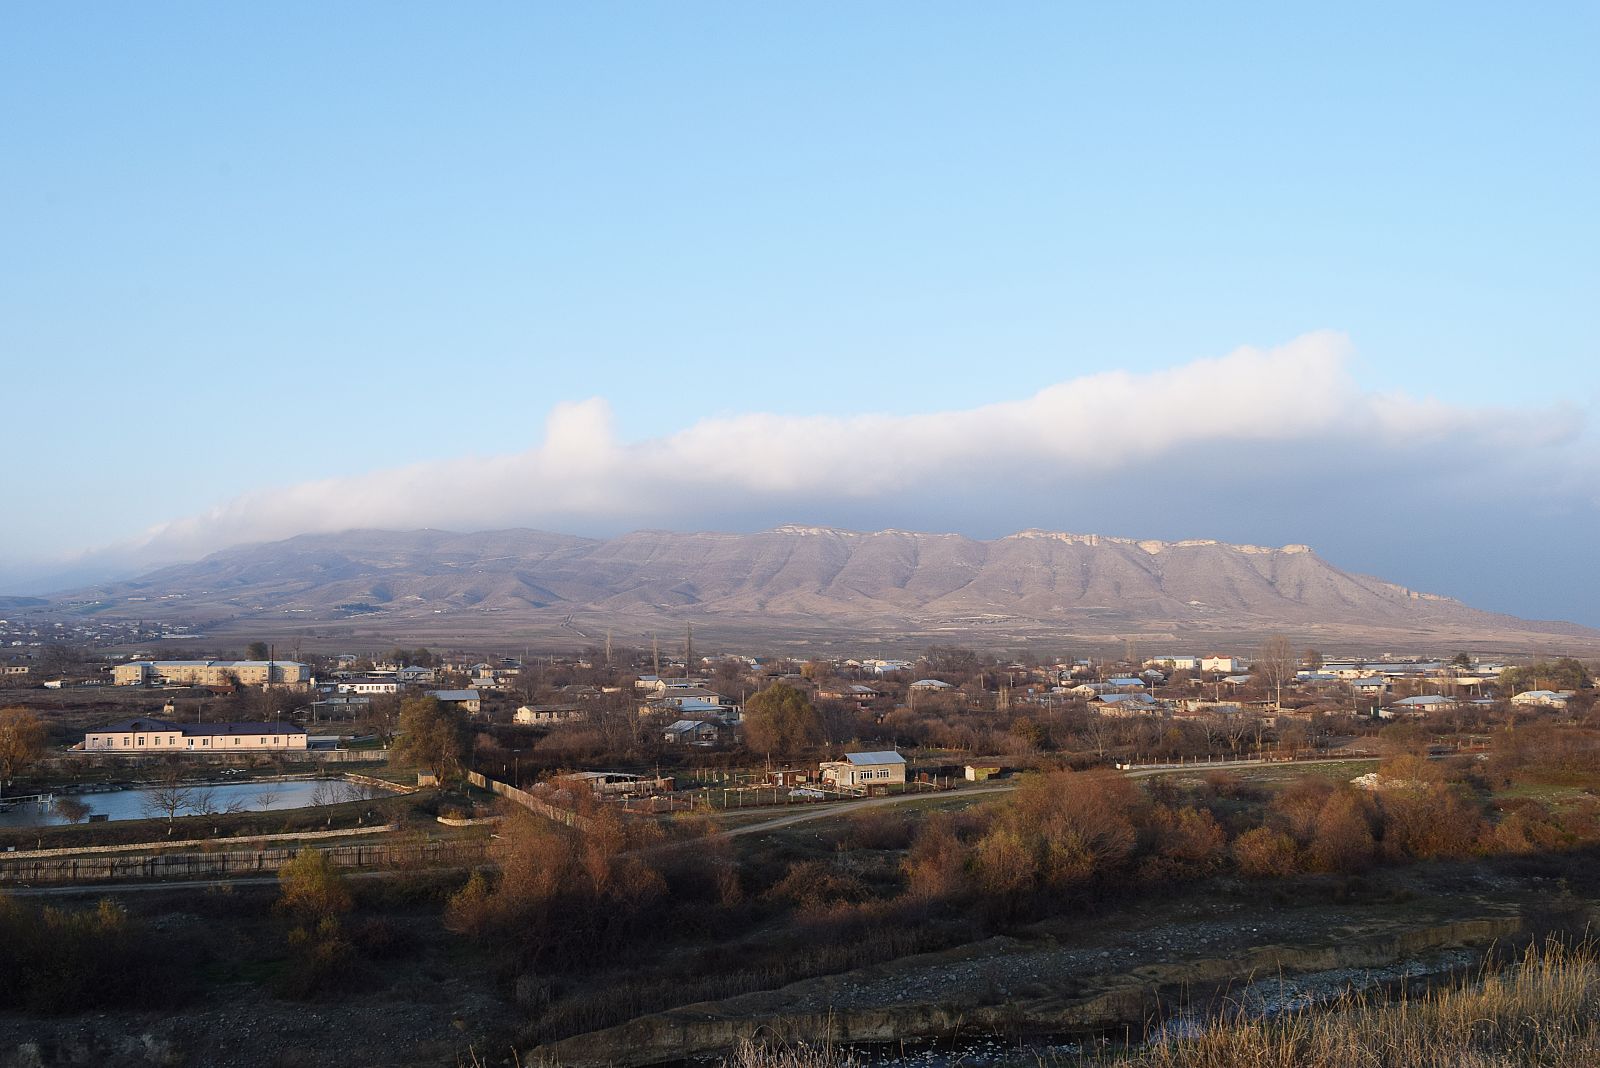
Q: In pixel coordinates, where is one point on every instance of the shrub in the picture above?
(59, 960)
(1264, 853)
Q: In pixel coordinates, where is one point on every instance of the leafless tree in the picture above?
(71, 809)
(1276, 664)
(168, 799)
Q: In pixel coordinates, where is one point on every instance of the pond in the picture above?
(148, 802)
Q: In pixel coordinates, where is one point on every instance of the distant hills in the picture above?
(806, 581)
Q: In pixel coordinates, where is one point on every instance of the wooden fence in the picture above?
(530, 802)
(391, 855)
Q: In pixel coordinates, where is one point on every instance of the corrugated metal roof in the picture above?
(889, 757)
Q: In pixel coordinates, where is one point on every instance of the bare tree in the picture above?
(168, 799)
(267, 798)
(71, 809)
(326, 793)
(1275, 663)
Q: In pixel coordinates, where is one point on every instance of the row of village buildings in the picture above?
(692, 712)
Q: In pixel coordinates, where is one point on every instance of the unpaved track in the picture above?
(823, 811)
(819, 812)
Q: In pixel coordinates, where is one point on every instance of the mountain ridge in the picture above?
(804, 577)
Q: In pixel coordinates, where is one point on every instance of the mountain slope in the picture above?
(810, 577)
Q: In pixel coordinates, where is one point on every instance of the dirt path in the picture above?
(824, 811)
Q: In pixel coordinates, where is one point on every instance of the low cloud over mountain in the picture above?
(1281, 444)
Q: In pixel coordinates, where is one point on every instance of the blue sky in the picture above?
(254, 248)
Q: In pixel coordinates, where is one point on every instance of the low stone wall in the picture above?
(382, 784)
(221, 865)
(194, 843)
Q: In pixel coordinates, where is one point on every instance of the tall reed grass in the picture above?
(1541, 1010)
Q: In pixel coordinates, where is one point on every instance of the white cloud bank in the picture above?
(1248, 409)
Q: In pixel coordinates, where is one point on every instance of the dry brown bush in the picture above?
(1264, 853)
(1343, 840)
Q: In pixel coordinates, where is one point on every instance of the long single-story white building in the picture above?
(138, 736)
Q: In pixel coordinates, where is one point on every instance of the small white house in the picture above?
(857, 771)
(1227, 665)
(1416, 706)
(535, 715)
(370, 686)
(691, 732)
(1542, 699)
(467, 701)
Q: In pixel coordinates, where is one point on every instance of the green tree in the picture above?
(1565, 673)
(315, 894)
(21, 742)
(311, 887)
(430, 734)
(781, 719)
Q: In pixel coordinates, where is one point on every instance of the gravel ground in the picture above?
(431, 1026)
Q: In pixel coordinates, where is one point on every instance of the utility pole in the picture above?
(655, 652)
(688, 649)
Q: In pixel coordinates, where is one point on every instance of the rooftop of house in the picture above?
(886, 757)
(196, 730)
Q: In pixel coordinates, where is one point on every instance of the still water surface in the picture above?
(240, 796)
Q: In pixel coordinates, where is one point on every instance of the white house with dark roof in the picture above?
(858, 771)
